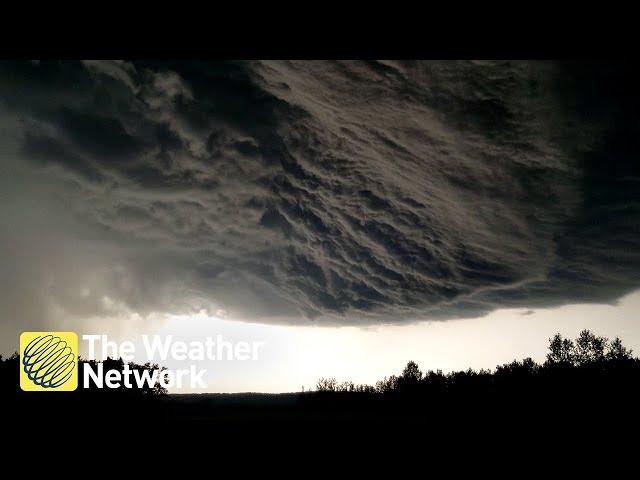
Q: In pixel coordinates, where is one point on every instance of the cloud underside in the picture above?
(333, 192)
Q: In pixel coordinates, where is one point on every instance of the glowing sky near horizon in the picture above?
(296, 356)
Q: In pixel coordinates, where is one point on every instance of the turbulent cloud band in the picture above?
(339, 192)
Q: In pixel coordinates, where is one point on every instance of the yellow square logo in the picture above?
(48, 361)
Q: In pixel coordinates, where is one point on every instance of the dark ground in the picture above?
(578, 404)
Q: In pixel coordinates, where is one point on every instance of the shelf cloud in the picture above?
(340, 193)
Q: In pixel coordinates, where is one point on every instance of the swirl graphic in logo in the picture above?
(48, 361)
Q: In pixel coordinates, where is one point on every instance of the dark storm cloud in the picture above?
(345, 192)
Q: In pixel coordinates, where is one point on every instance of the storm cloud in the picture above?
(346, 193)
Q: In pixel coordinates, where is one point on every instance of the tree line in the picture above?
(589, 360)
(9, 376)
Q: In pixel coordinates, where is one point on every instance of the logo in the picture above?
(48, 361)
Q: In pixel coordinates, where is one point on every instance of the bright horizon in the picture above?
(297, 356)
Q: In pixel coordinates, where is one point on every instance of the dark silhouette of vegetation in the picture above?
(10, 380)
(591, 380)
(589, 360)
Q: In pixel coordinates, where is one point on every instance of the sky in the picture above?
(331, 206)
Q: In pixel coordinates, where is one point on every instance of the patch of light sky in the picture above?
(295, 357)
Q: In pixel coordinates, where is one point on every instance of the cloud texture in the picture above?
(333, 192)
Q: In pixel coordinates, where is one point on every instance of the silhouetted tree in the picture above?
(387, 384)
(561, 351)
(410, 378)
(618, 352)
(326, 385)
(589, 348)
